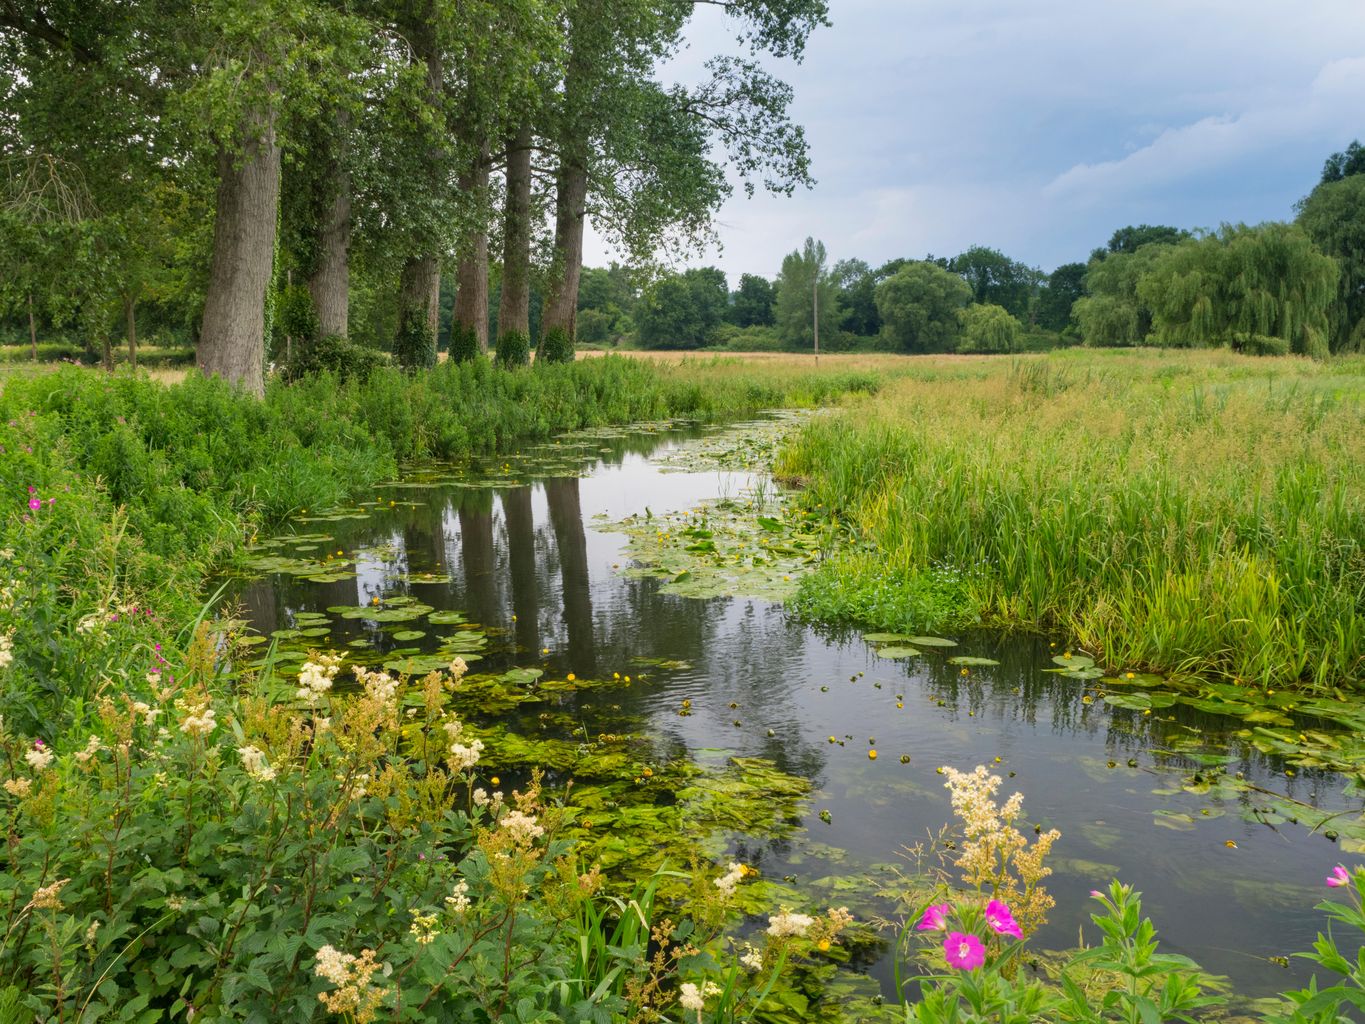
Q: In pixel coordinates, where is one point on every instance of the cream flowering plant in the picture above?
(224, 850)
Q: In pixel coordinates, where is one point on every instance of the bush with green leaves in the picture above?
(513, 349)
(336, 355)
(296, 321)
(464, 344)
(555, 347)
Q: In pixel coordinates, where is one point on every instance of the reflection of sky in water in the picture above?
(535, 552)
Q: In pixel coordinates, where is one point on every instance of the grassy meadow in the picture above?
(1183, 511)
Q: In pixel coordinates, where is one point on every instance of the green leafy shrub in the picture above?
(414, 346)
(555, 347)
(513, 349)
(336, 355)
(296, 318)
(1261, 345)
(464, 344)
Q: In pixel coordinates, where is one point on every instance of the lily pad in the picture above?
(900, 651)
(968, 659)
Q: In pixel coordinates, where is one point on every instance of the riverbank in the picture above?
(1193, 513)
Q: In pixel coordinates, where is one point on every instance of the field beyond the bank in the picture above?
(1176, 511)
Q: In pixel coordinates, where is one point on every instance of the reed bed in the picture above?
(1188, 512)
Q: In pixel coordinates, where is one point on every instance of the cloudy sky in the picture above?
(1039, 126)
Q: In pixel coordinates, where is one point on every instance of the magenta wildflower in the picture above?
(35, 504)
(1339, 877)
(1002, 922)
(31, 488)
(964, 952)
(935, 918)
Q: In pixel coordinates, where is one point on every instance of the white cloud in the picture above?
(1217, 143)
(1040, 126)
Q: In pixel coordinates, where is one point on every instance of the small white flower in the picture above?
(521, 827)
(458, 900)
(463, 758)
(39, 758)
(787, 923)
(92, 747)
(727, 882)
(256, 764)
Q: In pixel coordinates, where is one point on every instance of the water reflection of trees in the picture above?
(566, 518)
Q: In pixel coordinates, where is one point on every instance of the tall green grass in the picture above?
(1194, 512)
(147, 488)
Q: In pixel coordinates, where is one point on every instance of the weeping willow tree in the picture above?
(1261, 289)
(1111, 311)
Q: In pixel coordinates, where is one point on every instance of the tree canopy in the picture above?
(919, 305)
(804, 281)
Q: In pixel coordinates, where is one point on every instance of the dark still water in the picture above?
(517, 549)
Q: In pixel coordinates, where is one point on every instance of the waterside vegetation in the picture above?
(1195, 513)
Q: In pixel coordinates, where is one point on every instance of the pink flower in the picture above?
(964, 952)
(1338, 877)
(1002, 922)
(1095, 894)
(935, 918)
(35, 503)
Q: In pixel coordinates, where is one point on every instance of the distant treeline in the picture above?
(1273, 288)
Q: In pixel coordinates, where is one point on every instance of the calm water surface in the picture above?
(533, 550)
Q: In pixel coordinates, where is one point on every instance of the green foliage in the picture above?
(513, 349)
(1266, 281)
(920, 304)
(1334, 218)
(1344, 165)
(804, 277)
(1132, 238)
(860, 589)
(996, 279)
(987, 328)
(752, 302)
(1049, 517)
(682, 310)
(1064, 286)
(464, 344)
(1111, 312)
(225, 862)
(414, 345)
(295, 318)
(555, 347)
(1123, 979)
(334, 355)
(857, 286)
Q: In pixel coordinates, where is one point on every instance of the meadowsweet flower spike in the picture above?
(727, 882)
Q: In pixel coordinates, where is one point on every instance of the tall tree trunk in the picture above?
(571, 194)
(514, 306)
(232, 341)
(471, 275)
(419, 288)
(32, 330)
(420, 282)
(330, 283)
(130, 320)
(106, 352)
